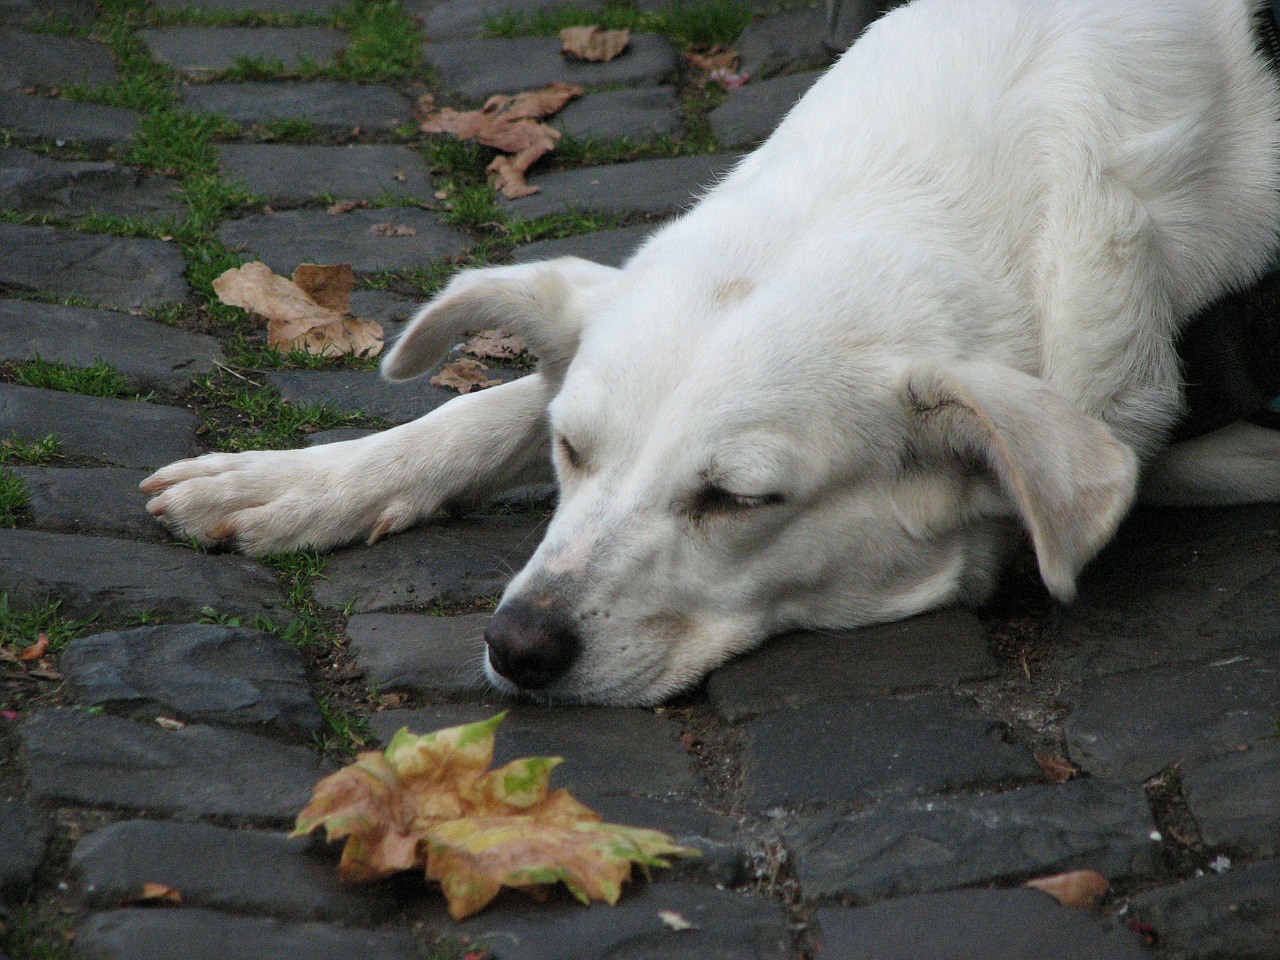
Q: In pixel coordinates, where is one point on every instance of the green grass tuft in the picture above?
(21, 626)
(17, 449)
(262, 419)
(13, 497)
(97, 380)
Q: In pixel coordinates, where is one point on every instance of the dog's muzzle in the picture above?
(531, 646)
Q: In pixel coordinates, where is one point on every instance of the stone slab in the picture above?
(387, 308)
(452, 561)
(478, 68)
(725, 857)
(1175, 586)
(337, 435)
(1235, 915)
(1235, 799)
(88, 500)
(610, 247)
(147, 353)
(316, 8)
(973, 925)
(754, 111)
(927, 744)
(456, 19)
(24, 838)
(206, 935)
(639, 114)
(19, 12)
(203, 51)
(362, 391)
(198, 771)
(655, 187)
(1132, 725)
(197, 673)
(113, 271)
(726, 925)
(36, 184)
(782, 43)
(420, 654)
(110, 577)
(284, 240)
(68, 121)
(327, 105)
(127, 433)
(936, 649)
(242, 871)
(929, 845)
(48, 60)
(607, 751)
(296, 173)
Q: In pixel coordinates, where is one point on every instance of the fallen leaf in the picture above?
(1056, 769)
(399, 176)
(392, 230)
(346, 206)
(159, 893)
(463, 376)
(1077, 888)
(37, 649)
(717, 58)
(594, 43)
(495, 345)
(10, 715)
(169, 723)
(431, 802)
(296, 320)
(675, 921)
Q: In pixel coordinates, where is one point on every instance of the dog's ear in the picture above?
(541, 302)
(1068, 475)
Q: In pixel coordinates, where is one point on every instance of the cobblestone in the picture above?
(610, 247)
(67, 121)
(753, 112)
(36, 184)
(329, 106)
(42, 60)
(77, 500)
(1233, 799)
(200, 52)
(637, 114)
(419, 654)
(294, 174)
(24, 838)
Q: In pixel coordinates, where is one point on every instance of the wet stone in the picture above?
(634, 114)
(197, 673)
(284, 240)
(935, 649)
(24, 838)
(36, 184)
(607, 751)
(149, 354)
(754, 111)
(1235, 915)
(973, 925)
(1175, 586)
(610, 247)
(451, 561)
(782, 43)
(117, 578)
(68, 121)
(928, 845)
(294, 173)
(478, 68)
(83, 500)
(202, 51)
(127, 433)
(113, 271)
(887, 748)
(726, 925)
(101, 761)
(205, 935)
(328, 105)
(363, 391)
(241, 871)
(1132, 725)
(1234, 799)
(420, 654)
(47, 60)
(656, 187)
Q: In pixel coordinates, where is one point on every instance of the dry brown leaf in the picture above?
(329, 285)
(463, 376)
(159, 893)
(346, 206)
(1078, 888)
(495, 345)
(508, 173)
(431, 802)
(295, 321)
(593, 43)
(392, 230)
(1056, 769)
(717, 58)
(37, 649)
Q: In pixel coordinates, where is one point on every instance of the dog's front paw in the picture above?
(272, 501)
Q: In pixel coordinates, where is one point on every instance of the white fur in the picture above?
(937, 307)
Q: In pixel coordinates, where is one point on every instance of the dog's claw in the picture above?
(381, 530)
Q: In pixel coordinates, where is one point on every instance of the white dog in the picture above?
(937, 308)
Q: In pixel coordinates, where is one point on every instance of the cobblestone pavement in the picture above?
(874, 795)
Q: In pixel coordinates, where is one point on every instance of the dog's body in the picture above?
(938, 306)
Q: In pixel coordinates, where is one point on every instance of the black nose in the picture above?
(531, 646)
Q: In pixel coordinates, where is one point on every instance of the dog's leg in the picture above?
(1238, 463)
(270, 501)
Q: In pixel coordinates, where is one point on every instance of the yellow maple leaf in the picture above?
(431, 802)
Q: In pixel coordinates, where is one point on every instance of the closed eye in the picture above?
(717, 500)
(570, 453)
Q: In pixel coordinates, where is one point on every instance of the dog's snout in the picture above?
(531, 645)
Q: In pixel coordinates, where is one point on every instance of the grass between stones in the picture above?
(30, 452)
(698, 24)
(97, 380)
(38, 932)
(241, 414)
(13, 497)
(21, 626)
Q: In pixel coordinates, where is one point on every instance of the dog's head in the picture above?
(735, 459)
